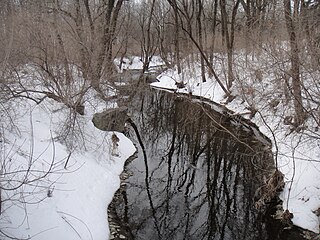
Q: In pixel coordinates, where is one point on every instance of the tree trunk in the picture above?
(176, 38)
(229, 37)
(67, 73)
(105, 44)
(214, 23)
(200, 8)
(295, 63)
(148, 45)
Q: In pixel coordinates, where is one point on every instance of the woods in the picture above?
(67, 39)
(262, 55)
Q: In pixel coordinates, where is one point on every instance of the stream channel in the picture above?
(197, 174)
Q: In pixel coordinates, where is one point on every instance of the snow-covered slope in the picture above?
(57, 202)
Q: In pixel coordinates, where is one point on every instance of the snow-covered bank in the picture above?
(136, 62)
(67, 203)
(297, 154)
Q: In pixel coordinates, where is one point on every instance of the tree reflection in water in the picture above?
(196, 180)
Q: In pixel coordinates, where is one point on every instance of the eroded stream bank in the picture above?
(198, 175)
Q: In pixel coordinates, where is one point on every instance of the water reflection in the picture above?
(197, 179)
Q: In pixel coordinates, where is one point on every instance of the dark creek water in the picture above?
(196, 175)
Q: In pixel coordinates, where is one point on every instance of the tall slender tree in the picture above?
(229, 35)
(291, 18)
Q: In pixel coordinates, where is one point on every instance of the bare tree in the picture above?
(186, 15)
(199, 4)
(149, 41)
(291, 17)
(176, 39)
(309, 18)
(212, 14)
(228, 35)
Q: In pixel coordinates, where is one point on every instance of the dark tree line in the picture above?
(67, 39)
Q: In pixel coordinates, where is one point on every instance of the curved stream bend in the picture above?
(198, 175)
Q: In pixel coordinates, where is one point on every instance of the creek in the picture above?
(196, 175)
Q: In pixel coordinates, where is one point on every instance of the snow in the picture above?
(71, 203)
(299, 161)
(298, 154)
(136, 62)
(67, 203)
(209, 89)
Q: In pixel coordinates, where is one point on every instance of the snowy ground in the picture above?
(297, 155)
(135, 62)
(66, 203)
(72, 203)
(41, 198)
